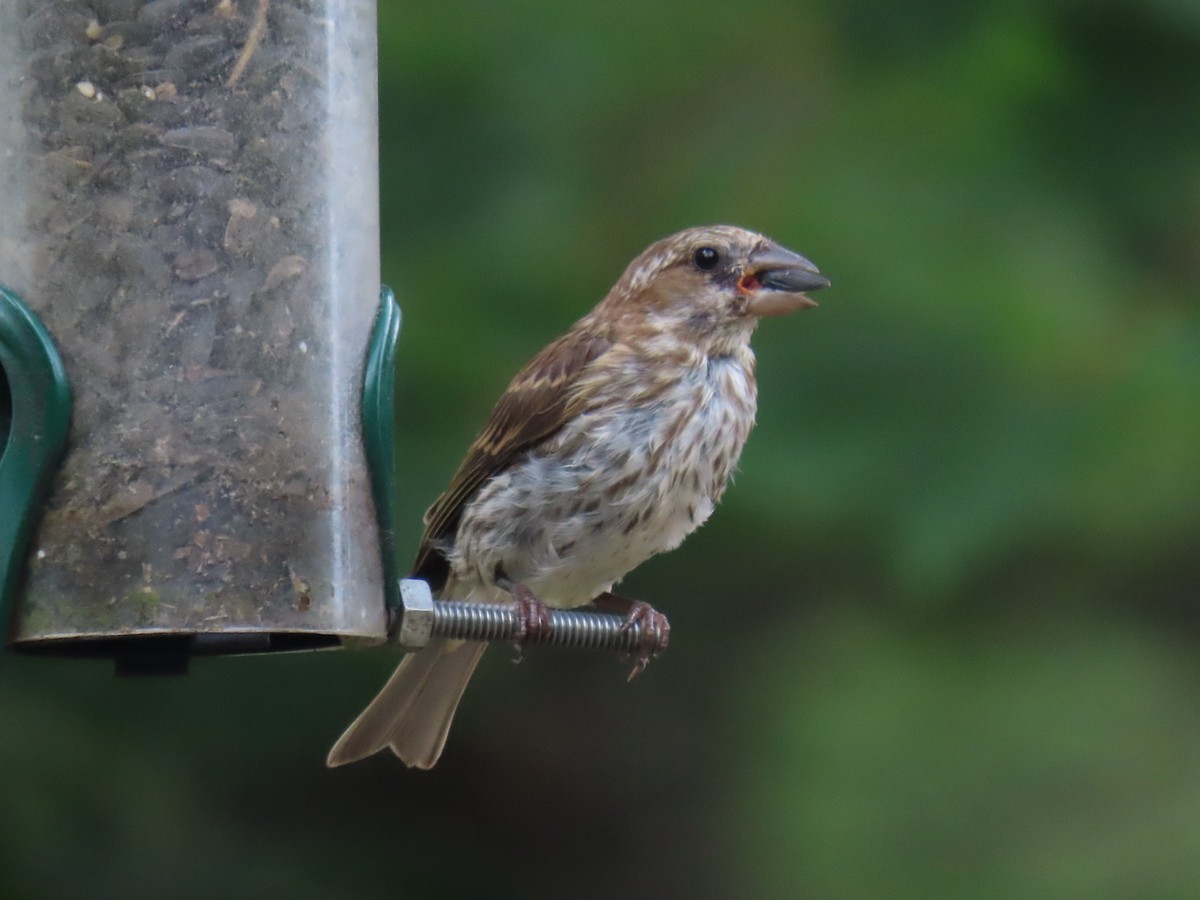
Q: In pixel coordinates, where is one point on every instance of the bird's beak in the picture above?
(776, 279)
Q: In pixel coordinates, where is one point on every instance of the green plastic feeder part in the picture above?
(379, 430)
(35, 414)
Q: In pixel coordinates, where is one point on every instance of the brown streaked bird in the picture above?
(611, 445)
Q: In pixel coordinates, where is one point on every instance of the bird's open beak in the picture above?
(776, 279)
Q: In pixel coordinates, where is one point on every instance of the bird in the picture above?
(611, 445)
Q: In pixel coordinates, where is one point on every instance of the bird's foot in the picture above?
(533, 616)
(655, 634)
(654, 631)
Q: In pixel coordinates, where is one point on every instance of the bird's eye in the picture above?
(706, 258)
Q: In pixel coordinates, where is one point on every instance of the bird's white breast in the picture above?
(618, 484)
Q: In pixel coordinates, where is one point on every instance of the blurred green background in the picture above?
(942, 639)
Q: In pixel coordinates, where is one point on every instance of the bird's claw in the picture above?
(654, 633)
(533, 619)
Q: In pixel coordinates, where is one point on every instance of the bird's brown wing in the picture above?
(536, 404)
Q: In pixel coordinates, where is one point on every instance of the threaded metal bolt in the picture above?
(421, 618)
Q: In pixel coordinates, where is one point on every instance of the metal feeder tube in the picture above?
(189, 204)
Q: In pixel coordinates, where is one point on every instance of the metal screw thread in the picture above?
(568, 627)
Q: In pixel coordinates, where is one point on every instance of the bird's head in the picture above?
(713, 282)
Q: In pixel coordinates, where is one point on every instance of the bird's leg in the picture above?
(653, 626)
(533, 616)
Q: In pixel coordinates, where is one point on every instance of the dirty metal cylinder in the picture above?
(188, 202)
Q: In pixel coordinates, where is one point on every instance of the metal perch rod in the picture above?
(422, 618)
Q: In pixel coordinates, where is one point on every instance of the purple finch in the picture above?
(611, 445)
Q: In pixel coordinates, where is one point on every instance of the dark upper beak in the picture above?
(783, 277)
(779, 269)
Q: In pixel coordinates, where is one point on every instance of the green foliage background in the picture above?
(942, 639)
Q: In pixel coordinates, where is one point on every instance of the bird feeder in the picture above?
(189, 258)
(196, 368)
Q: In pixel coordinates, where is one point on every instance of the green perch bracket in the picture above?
(35, 414)
(379, 422)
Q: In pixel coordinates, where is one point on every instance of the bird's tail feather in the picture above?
(413, 711)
